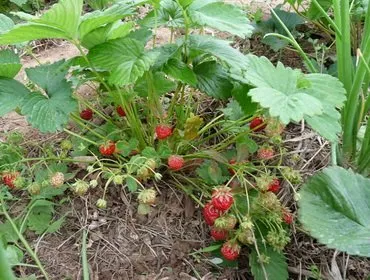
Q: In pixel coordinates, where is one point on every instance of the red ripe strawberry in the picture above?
(230, 250)
(274, 186)
(218, 234)
(175, 162)
(108, 148)
(257, 124)
(287, 217)
(163, 131)
(210, 214)
(121, 112)
(266, 153)
(9, 179)
(222, 198)
(86, 114)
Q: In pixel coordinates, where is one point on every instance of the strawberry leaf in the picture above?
(49, 112)
(221, 16)
(12, 94)
(334, 207)
(125, 58)
(61, 21)
(169, 14)
(275, 264)
(5, 23)
(180, 71)
(213, 80)
(40, 216)
(9, 64)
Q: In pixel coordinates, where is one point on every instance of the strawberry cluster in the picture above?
(216, 215)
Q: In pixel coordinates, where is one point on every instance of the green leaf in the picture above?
(61, 21)
(96, 19)
(220, 49)
(169, 14)
(334, 207)
(7, 233)
(50, 112)
(233, 111)
(185, 3)
(223, 17)
(13, 254)
(5, 268)
(131, 184)
(55, 226)
(275, 264)
(125, 58)
(5, 23)
(40, 216)
(314, 13)
(213, 80)
(211, 173)
(9, 64)
(240, 94)
(180, 71)
(12, 94)
(161, 85)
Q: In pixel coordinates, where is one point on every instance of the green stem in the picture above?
(24, 241)
(81, 137)
(85, 264)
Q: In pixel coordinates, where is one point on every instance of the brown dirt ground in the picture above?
(124, 245)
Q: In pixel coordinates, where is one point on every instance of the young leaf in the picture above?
(12, 94)
(169, 14)
(213, 80)
(49, 113)
(221, 16)
(9, 64)
(334, 207)
(274, 264)
(125, 58)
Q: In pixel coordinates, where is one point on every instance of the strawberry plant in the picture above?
(145, 123)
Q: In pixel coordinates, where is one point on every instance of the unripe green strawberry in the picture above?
(247, 224)
(93, 183)
(118, 179)
(263, 182)
(80, 187)
(278, 239)
(34, 189)
(245, 237)
(66, 145)
(19, 182)
(270, 201)
(147, 196)
(101, 203)
(45, 184)
(143, 173)
(151, 163)
(292, 175)
(57, 180)
(226, 222)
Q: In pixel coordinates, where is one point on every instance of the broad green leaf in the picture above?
(288, 107)
(213, 80)
(180, 71)
(9, 64)
(61, 21)
(223, 17)
(166, 52)
(13, 254)
(314, 13)
(185, 3)
(240, 94)
(12, 94)
(212, 173)
(131, 184)
(161, 85)
(334, 207)
(220, 49)
(55, 226)
(120, 29)
(125, 58)
(5, 268)
(93, 20)
(275, 264)
(233, 111)
(169, 14)
(5, 23)
(65, 16)
(49, 112)
(40, 216)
